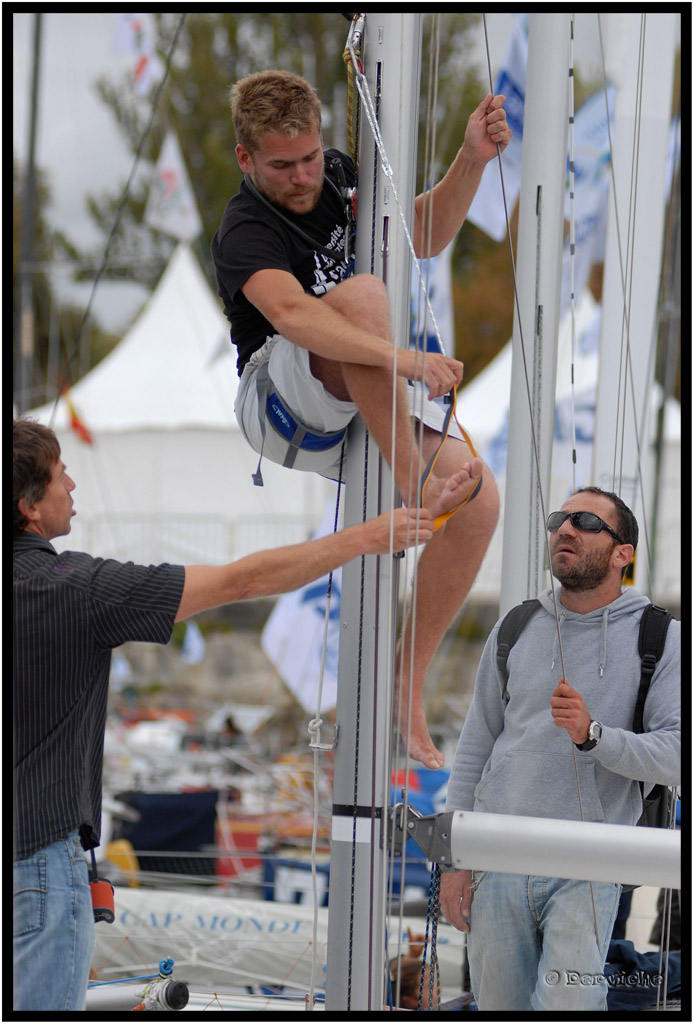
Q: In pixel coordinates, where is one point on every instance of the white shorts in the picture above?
(305, 398)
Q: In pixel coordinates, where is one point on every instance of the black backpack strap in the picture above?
(512, 625)
(652, 636)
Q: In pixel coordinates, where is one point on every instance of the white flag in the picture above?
(487, 208)
(436, 274)
(591, 193)
(131, 37)
(171, 206)
(293, 636)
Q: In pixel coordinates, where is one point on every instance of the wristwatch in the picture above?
(594, 734)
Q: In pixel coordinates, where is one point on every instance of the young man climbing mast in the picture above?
(314, 345)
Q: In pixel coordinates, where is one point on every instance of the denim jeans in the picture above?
(53, 928)
(533, 944)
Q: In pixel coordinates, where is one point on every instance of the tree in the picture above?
(56, 324)
(215, 49)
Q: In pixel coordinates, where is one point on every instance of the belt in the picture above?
(294, 432)
(271, 409)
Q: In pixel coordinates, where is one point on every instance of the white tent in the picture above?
(483, 407)
(168, 477)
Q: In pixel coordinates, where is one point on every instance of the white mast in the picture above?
(633, 254)
(538, 273)
(391, 51)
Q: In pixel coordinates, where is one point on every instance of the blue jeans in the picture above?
(533, 944)
(53, 928)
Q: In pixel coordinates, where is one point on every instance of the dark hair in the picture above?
(626, 527)
(407, 972)
(35, 451)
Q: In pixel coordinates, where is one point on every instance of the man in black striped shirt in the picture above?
(70, 611)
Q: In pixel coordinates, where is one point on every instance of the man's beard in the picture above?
(284, 199)
(586, 573)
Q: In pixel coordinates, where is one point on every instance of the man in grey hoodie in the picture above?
(531, 938)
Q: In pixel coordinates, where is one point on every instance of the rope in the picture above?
(433, 907)
(350, 55)
(372, 118)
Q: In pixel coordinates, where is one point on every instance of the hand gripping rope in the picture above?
(357, 78)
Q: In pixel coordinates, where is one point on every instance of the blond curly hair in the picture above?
(273, 102)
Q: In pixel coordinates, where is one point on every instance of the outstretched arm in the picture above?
(282, 569)
(453, 195)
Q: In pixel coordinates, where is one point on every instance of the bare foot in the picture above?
(418, 744)
(443, 496)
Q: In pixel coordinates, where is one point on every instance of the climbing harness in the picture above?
(297, 435)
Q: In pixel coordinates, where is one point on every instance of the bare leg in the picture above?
(364, 301)
(460, 543)
(446, 571)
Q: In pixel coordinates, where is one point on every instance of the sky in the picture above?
(78, 145)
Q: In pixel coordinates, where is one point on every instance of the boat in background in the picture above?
(257, 947)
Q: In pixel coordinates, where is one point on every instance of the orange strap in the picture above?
(445, 516)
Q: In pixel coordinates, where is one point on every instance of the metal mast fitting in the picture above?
(587, 850)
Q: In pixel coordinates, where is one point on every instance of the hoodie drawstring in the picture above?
(603, 642)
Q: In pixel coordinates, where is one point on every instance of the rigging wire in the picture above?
(628, 369)
(540, 495)
(119, 212)
(362, 87)
(371, 111)
(572, 249)
(626, 372)
(533, 431)
(415, 472)
(631, 243)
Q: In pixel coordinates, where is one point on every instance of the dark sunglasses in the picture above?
(585, 521)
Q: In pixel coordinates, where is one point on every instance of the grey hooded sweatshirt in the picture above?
(513, 759)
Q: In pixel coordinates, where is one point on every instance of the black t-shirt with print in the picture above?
(255, 236)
